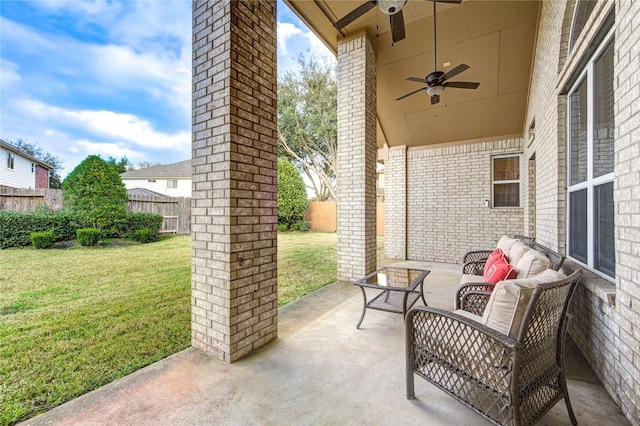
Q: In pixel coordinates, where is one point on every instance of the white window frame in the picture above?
(498, 182)
(175, 183)
(587, 76)
(11, 161)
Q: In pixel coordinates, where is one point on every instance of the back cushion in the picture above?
(505, 243)
(531, 264)
(509, 300)
(517, 251)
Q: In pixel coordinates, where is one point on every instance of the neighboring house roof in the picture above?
(9, 147)
(181, 169)
(145, 191)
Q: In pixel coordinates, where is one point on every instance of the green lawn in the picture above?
(73, 320)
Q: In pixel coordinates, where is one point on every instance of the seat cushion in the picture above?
(532, 263)
(509, 300)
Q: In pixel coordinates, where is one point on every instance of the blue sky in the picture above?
(109, 77)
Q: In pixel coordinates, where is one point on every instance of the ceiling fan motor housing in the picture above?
(391, 7)
(434, 77)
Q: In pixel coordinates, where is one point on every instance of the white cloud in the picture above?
(125, 128)
(286, 31)
(106, 150)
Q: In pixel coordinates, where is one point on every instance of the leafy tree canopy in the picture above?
(35, 150)
(292, 193)
(307, 123)
(95, 190)
(120, 166)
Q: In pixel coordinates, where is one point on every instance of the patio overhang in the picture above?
(495, 38)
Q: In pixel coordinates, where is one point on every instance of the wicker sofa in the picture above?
(508, 365)
(527, 257)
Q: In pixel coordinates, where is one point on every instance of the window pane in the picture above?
(578, 137)
(604, 240)
(578, 225)
(603, 115)
(506, 195)
(580, 17)
(507, 168)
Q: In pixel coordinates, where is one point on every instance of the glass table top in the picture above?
(392, 277)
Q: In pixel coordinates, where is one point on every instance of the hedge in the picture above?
(16, 227)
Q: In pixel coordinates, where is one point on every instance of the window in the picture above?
(591, 157)
(506, 181)
(172, 184)
(580, 16)
(10, 160)
(33, 167)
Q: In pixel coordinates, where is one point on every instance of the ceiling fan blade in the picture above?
(355, 14)
(452, 73)
(435, 99)
(410, 93)
(462, 85)
(396, 21)
(447, 1)
(416, 79)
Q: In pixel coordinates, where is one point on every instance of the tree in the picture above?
(95, 190)
(307, 123)
(292, 193)
(35, 150)
(120, 166)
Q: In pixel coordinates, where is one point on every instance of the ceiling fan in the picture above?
(437, 81)
(393, 8)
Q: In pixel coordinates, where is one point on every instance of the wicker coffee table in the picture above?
(399, 289)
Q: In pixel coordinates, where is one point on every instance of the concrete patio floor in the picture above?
(320, 371)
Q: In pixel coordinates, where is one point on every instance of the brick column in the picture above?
(234, 207)
(395, 204)
(356, 75)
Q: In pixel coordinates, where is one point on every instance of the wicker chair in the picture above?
(472, 296)
(509, 381)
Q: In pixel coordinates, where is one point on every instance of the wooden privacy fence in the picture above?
(175, 210)
(323, 216)
(26, 200)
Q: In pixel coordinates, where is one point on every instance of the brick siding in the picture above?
(234, 206)
(356, 77)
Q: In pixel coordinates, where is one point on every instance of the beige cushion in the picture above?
(531, 264)
(517, 251)
(505, 244)
(467, 314)
(509, 300)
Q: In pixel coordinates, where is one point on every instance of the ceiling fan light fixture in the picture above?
(435, 90)
(391, 7)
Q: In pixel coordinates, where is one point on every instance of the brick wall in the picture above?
(357, 152)
(434, 211)
(234, 207)
(42, 177)
(606, 316)
(627, 201)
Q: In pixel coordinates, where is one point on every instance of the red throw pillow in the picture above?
(497, 254)
(499, 271)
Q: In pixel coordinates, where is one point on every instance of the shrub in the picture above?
(145, 236)
(88, 236)
(43, 240)
(292, 193)
(95, 190)
(282, 227)
(16, 227)
(301, 225)
(137, 221)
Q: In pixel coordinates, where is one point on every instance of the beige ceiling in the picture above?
(495, 38)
